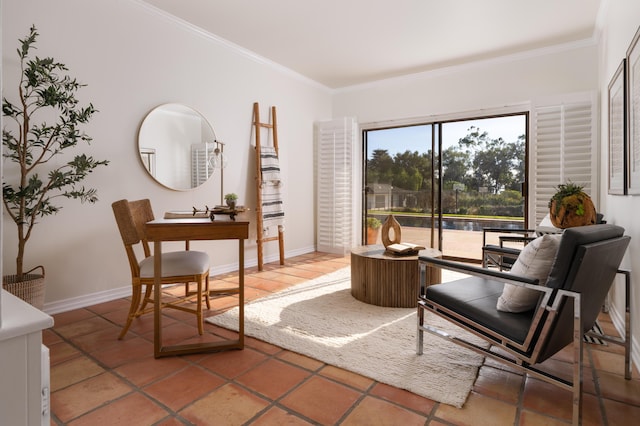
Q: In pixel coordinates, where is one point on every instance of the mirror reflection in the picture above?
(176, 144)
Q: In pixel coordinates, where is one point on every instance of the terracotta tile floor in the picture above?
(98, 380)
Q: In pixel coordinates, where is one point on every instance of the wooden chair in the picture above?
(178, 267)
(583, 270)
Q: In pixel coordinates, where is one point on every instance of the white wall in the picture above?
(619, 27)
(133, 58)
(485, 85)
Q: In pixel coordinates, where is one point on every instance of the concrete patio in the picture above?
(455, 243)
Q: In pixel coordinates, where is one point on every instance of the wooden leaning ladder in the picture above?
(258, 126)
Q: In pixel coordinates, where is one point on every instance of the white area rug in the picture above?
(320, 319)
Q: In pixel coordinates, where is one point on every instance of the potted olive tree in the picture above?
(34, 176)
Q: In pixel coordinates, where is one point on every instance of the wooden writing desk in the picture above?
(194, 229)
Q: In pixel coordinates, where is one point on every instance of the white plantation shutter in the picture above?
(200, 167)
(335, 150)
(564, 149)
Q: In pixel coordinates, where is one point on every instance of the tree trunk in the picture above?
(20, 259)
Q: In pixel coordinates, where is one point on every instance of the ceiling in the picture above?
(340, 43)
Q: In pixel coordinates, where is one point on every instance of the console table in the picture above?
(389, 280)
(195, 229)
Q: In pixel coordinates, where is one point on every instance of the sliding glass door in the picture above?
(483, 180)
(399, 179)
(445, 181)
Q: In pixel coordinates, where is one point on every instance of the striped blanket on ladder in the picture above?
(272, 209)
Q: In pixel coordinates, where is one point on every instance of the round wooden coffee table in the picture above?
(388, 280)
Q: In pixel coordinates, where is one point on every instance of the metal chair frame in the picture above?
(525, 355)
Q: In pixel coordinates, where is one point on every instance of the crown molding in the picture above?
(248, 54)
(533, 53)
(519, 56)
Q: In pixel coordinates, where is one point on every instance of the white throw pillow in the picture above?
(534, 261)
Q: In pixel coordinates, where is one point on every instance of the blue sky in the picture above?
(418, 138)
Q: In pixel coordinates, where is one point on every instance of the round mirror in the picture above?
(175, 144)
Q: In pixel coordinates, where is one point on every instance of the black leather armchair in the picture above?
(583, 271)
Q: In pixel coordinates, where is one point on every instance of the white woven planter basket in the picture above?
(30, 289)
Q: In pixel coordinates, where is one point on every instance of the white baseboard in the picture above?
(86, 300)
(118, 293)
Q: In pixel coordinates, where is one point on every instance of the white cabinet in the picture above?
(24, 363)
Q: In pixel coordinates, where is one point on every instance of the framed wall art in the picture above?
(633, 115)
(617, 131)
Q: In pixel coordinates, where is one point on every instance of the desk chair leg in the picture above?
(207, 298)
(133, 309)
(147, 297)
(199, 308)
